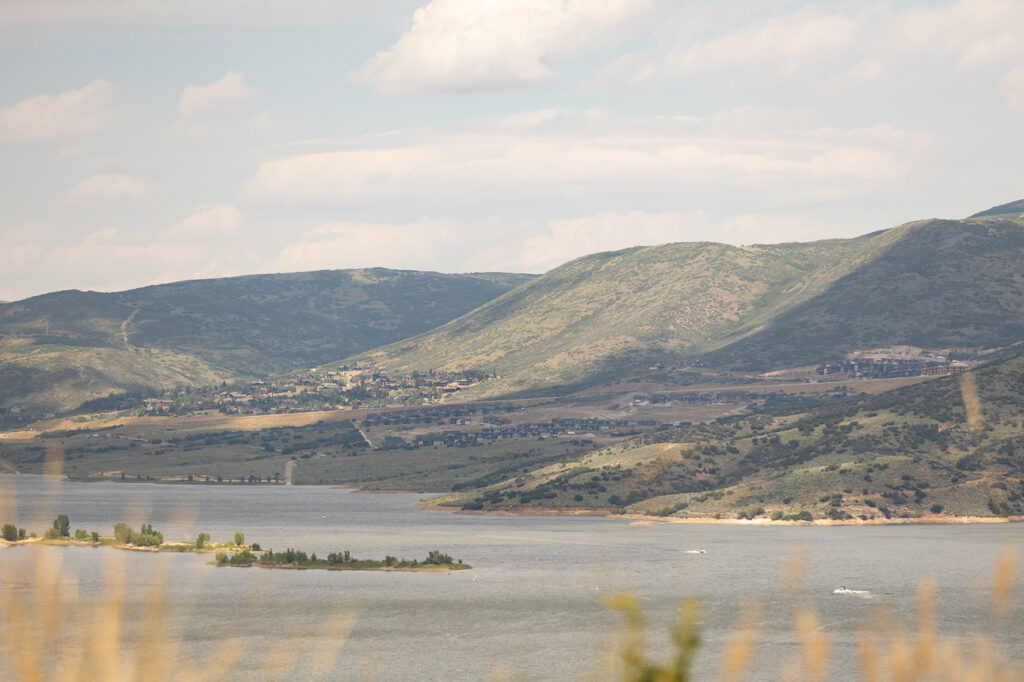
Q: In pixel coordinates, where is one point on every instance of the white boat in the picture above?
(846, 590)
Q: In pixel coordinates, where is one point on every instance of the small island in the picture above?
(236, 553)
(338, 561)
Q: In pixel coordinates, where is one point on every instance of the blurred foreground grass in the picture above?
(888, 652)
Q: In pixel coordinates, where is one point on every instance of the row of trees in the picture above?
(147, 536)
(294, 557)
(12, 533)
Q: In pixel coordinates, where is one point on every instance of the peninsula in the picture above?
(236, 553)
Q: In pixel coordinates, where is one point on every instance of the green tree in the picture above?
(63, 525)
(10, 532)
(123, 532)
(95, 536)
(21, 533)
(81, 534)
(202, 539)
(239, 538)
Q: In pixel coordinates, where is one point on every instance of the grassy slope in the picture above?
(1014, 207)
(906, 451)
(59, 349)
(941, 284)
(931, 283)
(604, 312)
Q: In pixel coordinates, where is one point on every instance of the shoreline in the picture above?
(396, 569)
(637, 519)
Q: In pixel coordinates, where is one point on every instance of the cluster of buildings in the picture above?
(891, 362)
(344, 387)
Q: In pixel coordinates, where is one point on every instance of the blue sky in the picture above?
(145, 142)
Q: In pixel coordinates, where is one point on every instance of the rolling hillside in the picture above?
(951, 446)
(59, 349)
(932, 283)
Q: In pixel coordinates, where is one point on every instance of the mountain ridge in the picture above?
(946, 283)
(81, 344)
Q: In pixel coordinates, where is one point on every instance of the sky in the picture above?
(144, 142)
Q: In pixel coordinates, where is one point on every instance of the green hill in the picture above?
(938, 284)
(1003, 209)
(951, 446)
(934, 283)
(59, 349)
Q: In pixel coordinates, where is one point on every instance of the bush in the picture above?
(202, 539)
(81, 534)
(10, 532)
(937, 508)
(147, 537)
(123, 532)
(52, 534)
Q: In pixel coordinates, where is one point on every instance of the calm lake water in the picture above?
(531, 607)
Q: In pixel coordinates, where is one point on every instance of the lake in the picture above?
(531, 606)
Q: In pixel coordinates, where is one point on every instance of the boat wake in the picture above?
(695, 551)
(863, 594)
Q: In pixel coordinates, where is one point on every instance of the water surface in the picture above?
(532, 604)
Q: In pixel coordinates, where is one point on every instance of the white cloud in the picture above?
(978, 32)
(789, 45)
(73, 113)
(219, 219)
(785, 44)
(104, 234)
(108, 186)
(180, 12)
(808, 43)
(98, 260)
(1013, 88)
(227, 90)
(474, 44)
(750, 148)
(356, 245)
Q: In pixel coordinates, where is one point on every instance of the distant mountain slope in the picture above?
(1003, 209)
(940, 284)
(935, 283)
(953, 445)
(599, 313)
(61, 348)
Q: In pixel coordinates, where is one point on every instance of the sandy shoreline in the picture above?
(26, 541)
